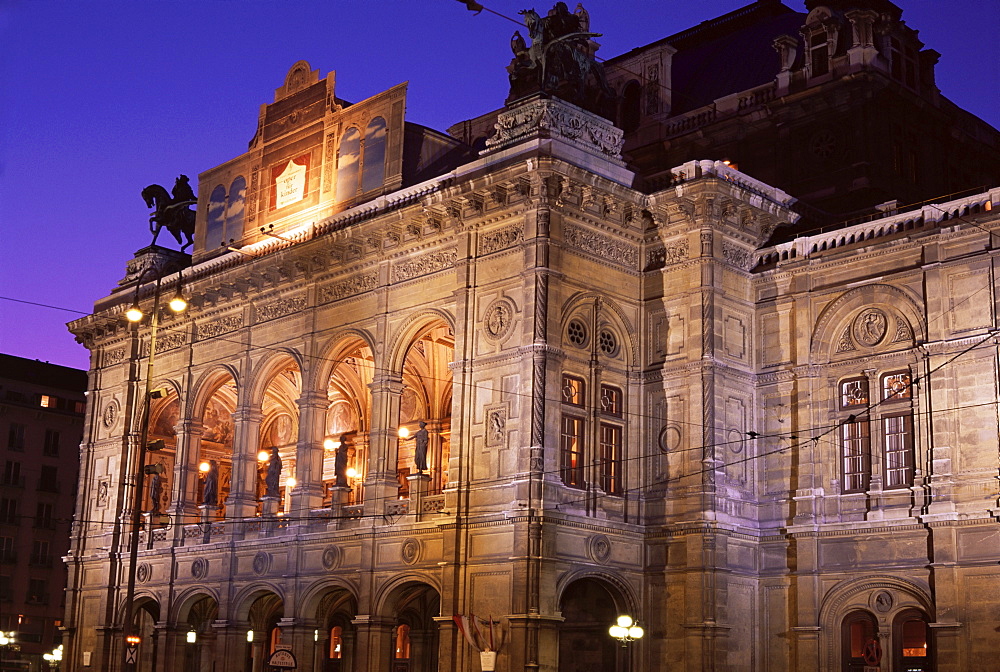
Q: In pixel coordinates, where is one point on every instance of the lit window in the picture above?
(855, 449)
(611, 459)
(571, 451)
(611, 400)
(47, 401)
(572, 390)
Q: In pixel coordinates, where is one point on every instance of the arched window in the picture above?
(373, 173)
(235, 209)
(912, 643)
(857, 632)
(215, 232)
(631, 101)
(347, 164)
(402, 643)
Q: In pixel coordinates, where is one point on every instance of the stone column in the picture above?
(184, 481)
(242, 499)
(381, 484)
(373, 648)
(299, 633)
(308, 492)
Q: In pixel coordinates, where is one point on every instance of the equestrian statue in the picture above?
(172, 210)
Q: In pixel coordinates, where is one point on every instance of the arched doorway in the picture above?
(858, 636)
(264, 635)
(198, 636)
(589, 608)
(426, 398)
(414, 636)
(336, 635)
(145, 616)
(911, 636)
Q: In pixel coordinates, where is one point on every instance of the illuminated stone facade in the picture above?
(635, 402)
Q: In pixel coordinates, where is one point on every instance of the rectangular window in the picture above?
(611, 400)
(47, 402)
(7, 554)
(15, 437)
(854, 393)
(8, 511)
(40, 555)
(572, 390)
(855, 446)
(819, 54)
(51, 447)
(43, 516)
(571, 451)
(896, 386)
(897, 435)
(611, 459)
(37, 592)
(49, 479)
(12, 473)
(6, 589)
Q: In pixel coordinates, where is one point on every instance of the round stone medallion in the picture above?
(882, 601)
(261, 563)
(599, 547)
(499, 318)
(331, 557)
(410, 551)
(669, 439)
(143, 572)
(110, 413)
(199, 568)
(870, 327)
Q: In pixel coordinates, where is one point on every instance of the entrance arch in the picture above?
(589, 607)
(414, 639)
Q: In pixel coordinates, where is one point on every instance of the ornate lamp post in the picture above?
(626, 630)
(135, 315)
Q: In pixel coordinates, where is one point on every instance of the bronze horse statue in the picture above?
(171, 211)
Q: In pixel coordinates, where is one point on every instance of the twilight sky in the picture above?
(99, 99)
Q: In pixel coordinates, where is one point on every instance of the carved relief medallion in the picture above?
(870, 327)
(331, 557)
(199, 568)
(599, 548)
(499, 318)
(110, 414)
(261, 563)
(882, 601)
(143, 572)
(410, 551)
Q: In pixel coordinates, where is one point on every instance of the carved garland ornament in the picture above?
(602, 246)
(501, 239)
(280, 308)
(350, 287)
(424, 265)
(220, 327)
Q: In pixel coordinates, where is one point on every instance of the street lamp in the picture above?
(135, 315)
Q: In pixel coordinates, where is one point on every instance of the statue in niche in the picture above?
(420, 441)
(340, 463)
(156, 494)
(172, 210)
(210, 494)
(560, 61)
(273, 474)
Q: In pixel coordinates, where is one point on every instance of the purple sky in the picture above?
(99, 99)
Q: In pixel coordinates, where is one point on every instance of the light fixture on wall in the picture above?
(403, 432)
(626, 630)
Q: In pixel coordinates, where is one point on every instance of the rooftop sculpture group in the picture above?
(560, 61)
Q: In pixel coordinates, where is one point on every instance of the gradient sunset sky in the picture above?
(99, 99)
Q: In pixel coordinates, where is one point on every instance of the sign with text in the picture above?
(290, 182)
(282, 658)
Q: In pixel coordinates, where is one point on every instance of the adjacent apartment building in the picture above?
(41, 426)
(598, 359)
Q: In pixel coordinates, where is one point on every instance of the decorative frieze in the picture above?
(602, 246)
(359, 284)
(170, 341)
(114, 356)
(501, 239)
(737, 256)
(219, 327)
(552, 118)
(429, 263)
(671, 254)
(280, 308)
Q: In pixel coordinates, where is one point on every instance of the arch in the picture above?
(409, 330)
(270, 366)
(207, 384)
(348, 159)
(413, 606)
(244, 600)
(215, 223)
(864, 595)
(188, 598)
(631, 106)
(387, 597)
(589, 604)
(373, 162)
(585, 301)
(834, 317)
(235, 208)
(329, 353)
(630, 600)
(310, 602)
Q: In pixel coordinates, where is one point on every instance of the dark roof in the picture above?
(42, 373)
(716, 61)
